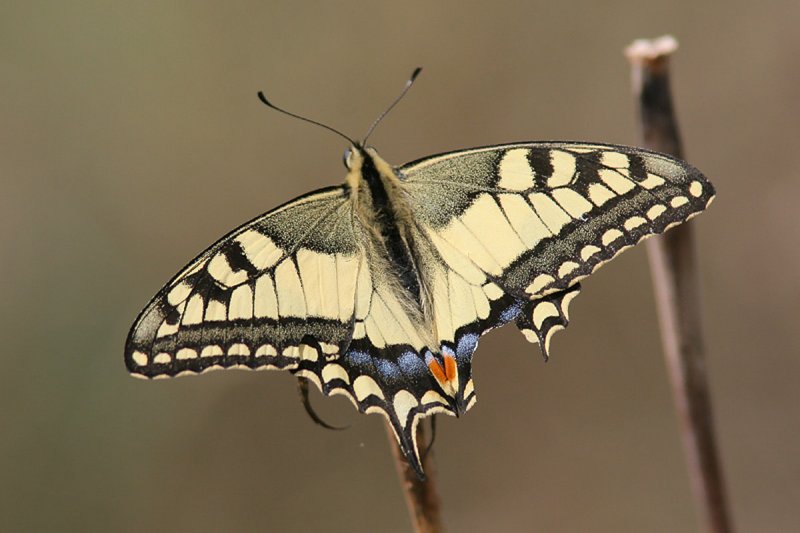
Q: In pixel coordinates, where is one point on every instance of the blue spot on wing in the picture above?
(388, 370)
(359, 359)
(510, 313)
(466, 346)
(411, 364)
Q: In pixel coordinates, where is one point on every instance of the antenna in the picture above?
(408, 85)
(276, 108)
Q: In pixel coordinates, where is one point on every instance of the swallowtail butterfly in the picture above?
(378, 289)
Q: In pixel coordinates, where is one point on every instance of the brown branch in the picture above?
(673, 262)
(421, 496)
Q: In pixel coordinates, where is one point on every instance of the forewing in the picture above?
(277, 291)
(535, 218)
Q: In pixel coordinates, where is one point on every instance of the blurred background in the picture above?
(131, 138)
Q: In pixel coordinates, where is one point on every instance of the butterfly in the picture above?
(378, 289)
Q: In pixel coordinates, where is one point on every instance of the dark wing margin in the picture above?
(255, 298)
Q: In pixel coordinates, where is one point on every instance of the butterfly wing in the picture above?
(273, 293)
(530, 220)
(295, 289)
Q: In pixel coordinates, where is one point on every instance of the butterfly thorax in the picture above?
(380, 204)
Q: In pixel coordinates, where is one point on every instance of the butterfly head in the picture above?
(364, 164)
(354, 156)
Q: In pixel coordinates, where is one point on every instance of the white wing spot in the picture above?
(528, 226)
(162, 358)
(186, 353)
(333, 371)
(458, 260)
(220, 270)
(215, 311)
(481, 301)
(488, 225)
(291, 301)
(652, 181)
(516, 173)
(615, 159)
(308, 353)
(540, 282)
(359, 331)
(266, 302)
(320, 284)
(564, 166)
(566, 268)
(472, 402)
(194, 310)
(404, 402)
(346, 272)
(259, 249)
(600, 194)
(634, 222)
(553, 216)
(565, 301)
(166, 329)
(492, 291)
(140, 358)
(328, 348)
(679, 201)
(468, 388)
(239, 349)
(610, 236)
(572, 202)
(588, 251)
(615, 181)
(309, 375)
(366, 386)
(549, 335)
(241, 305)
(179, 293)
(292, 352)
(542, 312)
(656, 211)
(363, 290)
(266, 350)
(696, 189)
(374, 332)
(432, 396)
(211, 351)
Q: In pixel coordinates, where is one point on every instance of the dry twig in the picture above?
(673, 262)
(421, 496)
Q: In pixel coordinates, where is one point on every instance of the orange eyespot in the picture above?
(450, 368)
(437, 371)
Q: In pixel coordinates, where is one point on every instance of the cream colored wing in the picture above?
(275, 292)
(296, 290)
(530, 220)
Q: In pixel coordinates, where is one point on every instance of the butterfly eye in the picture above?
(346, 158)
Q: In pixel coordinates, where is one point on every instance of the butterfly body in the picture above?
(380, 288)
